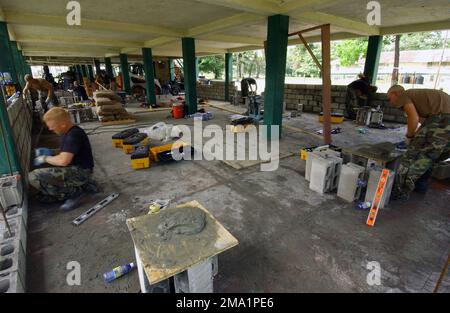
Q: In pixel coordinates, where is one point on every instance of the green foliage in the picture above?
(249, 63)
(349, 51)
(212, 64)
(300, 63)
(416, 41)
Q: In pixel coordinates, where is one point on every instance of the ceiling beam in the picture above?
(295, 5)
(233, 39)
(2, 15)
(158, 41)
(297, 41)
(264, 7)
(221, 24)
(49, 39)
(413, 28)
(89, 24)
(344, 23)
(63, 54)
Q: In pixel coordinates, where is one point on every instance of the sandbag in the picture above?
(106, 94)
(105, 101)
(108, 108)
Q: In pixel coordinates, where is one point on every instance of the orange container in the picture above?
(178, 111)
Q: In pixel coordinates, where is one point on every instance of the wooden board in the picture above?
(119, 122)
(242, 164)
(383, 159)
(155, 268)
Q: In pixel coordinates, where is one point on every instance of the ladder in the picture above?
(377, 198)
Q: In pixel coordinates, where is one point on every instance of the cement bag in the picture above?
(108, 108)
(107, 94)
(157, 132)
(105, 101)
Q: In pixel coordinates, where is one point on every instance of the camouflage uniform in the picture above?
(59, 183)
(430, 145)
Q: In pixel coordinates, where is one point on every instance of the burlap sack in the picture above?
(114, 108)
(111, 95)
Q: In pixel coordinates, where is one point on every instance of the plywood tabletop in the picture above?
(162, 259)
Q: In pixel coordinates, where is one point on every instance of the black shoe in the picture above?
(91, 187)
(71, 203)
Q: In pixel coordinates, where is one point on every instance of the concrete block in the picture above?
(11, 283)
(11, 191)
(372, 184)
(12, 259)
(348, 182)
(18, 231)
(324, 173)
(18, 211)
(198, 278)
(442, 171)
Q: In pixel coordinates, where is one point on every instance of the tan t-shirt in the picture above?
(428, 102)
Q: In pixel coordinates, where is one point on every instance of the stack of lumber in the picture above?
(109, 107)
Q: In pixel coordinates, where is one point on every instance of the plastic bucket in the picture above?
(178, 111)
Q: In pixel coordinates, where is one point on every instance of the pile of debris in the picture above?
(109, 108)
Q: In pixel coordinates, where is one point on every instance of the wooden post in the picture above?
(326, 83)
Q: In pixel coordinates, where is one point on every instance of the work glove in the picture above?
(40, 160)
(43, 151)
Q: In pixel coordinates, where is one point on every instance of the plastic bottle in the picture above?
(363, 205)
(118, 272)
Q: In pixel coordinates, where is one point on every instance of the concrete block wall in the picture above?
(311, 98)
(11, 283)
(215, 91)
(20, 116)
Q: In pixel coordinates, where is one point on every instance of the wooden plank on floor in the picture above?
(119, 122)
(243, 164)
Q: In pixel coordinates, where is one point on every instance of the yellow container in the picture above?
(335, 118)
(117, 143)
(140, 163)
(155, 150)
(304, 152)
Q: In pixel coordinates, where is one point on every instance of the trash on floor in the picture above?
(334, 131)
(118, 272)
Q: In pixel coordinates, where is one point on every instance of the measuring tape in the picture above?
(80, 219)
(377, 199)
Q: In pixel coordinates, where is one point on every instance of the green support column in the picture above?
(373, 58)
(277, 37)
(84, 71)
(171, 69)
(190, 81)
(9, 161)
(79, 73)
(197, 71)
(90, 73)
(97, 66)
(17, 63)
(149, 77)
(228, 74)
(108, 67)
(6, 59)
(125, 74)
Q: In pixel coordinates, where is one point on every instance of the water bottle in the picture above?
(118, 272)
(363, 205)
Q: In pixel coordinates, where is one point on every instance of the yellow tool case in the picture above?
(336, 118)
(117, 139)
(136, 139)
(165, 148)
(140, 157)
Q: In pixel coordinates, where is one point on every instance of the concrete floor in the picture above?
(291, 239)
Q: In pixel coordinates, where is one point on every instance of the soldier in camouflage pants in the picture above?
(430, 145)
(59, 183)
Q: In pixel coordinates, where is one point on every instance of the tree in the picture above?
(349, 51)
(300, 63)
(416, 41)
(212, 64)
(394, 80)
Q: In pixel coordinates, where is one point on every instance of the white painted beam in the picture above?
(221, 24)
(158, 41)
(264, 7)
(85, 41)
(352, 26)
(60, 21)
(233, 39)
(413, 28)
(310, 5)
